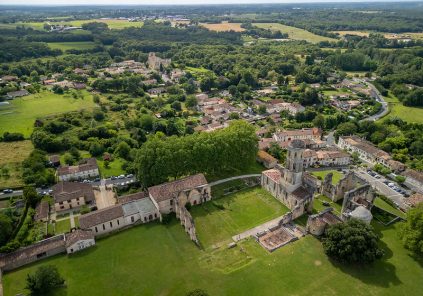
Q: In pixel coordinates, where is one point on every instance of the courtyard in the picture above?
(218, 220)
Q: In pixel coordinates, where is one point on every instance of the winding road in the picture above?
(379, 98)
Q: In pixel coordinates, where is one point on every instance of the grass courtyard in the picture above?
(20, 115)
(322, 174)
(294, 33)
(158, 259)
(241, 211)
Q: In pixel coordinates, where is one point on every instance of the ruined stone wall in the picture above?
(336, 192)
(351, 197)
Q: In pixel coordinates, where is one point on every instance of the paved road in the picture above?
(102, 182)
(378, 97)
(383, 188)
(233, 178)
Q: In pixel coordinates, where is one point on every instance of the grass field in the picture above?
(114, 169)
(63, 226)
(112, 23)
(294, 33)
(20, 115)
(336, 175)
(223, 27)
(411, 35)
(242, 210)
(160, 260)
(71, 45)
(409, 114)
(12, 155)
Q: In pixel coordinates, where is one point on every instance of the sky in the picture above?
(159, 2)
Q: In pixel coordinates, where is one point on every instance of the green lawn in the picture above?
(243, 210)
(380, 203)
(114, 169)
(335, 178)
(72, 45)
(294, 33)
(318, 204)
(160, 260)
(409, 114)
(20, 115)
(63, 226)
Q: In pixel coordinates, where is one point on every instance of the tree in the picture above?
(6, 229)
(122, 150)
(30, 195)
(411, 231)
(191, 102)
(68, 158)
(319, 121)
(44, 280)
(345, 129)
(352, 242)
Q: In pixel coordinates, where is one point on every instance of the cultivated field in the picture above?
(412, 35)
(224, 26)
(143, 261)
(111, 23)
(20, 115)
(409, 114)
(242, 211)
(293, 32)
(71, 45)
(12, 155)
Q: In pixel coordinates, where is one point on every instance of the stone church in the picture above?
(290, 184)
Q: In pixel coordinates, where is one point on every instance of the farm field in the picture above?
(111, 23)
(71, 45)
(412, 35)
(294, 33)
(20, 115)
(12, 155)
(409, 114)
(218, 220)
(223, 26)
(158, 249)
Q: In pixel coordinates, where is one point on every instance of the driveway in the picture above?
(104, 196)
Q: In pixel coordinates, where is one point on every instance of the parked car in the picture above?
(6, 191)
(121, 177)
(130, 176)
(112, 178)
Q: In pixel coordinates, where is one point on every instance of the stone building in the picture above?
(86, 169)
(156, 63)
(288, 184)
(358, 203)
(325, 158)
(193, 189)
(266, 159)
(71, 195)
(138, 207)
(79, 240)
(104, 220)
(317, 223)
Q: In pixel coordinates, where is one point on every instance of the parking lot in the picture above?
(380, 183)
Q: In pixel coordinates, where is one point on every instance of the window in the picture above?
(96, 230)
(71, 250)
(171, 202)
(155, 215)
(132, 219)
(118, 222)
(104, 227)
(111, 225)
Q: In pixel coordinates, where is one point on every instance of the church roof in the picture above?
(301, 193)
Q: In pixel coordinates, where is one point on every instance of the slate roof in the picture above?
(71, 190)
(142, 206)
(167, 190)
(101, 216)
